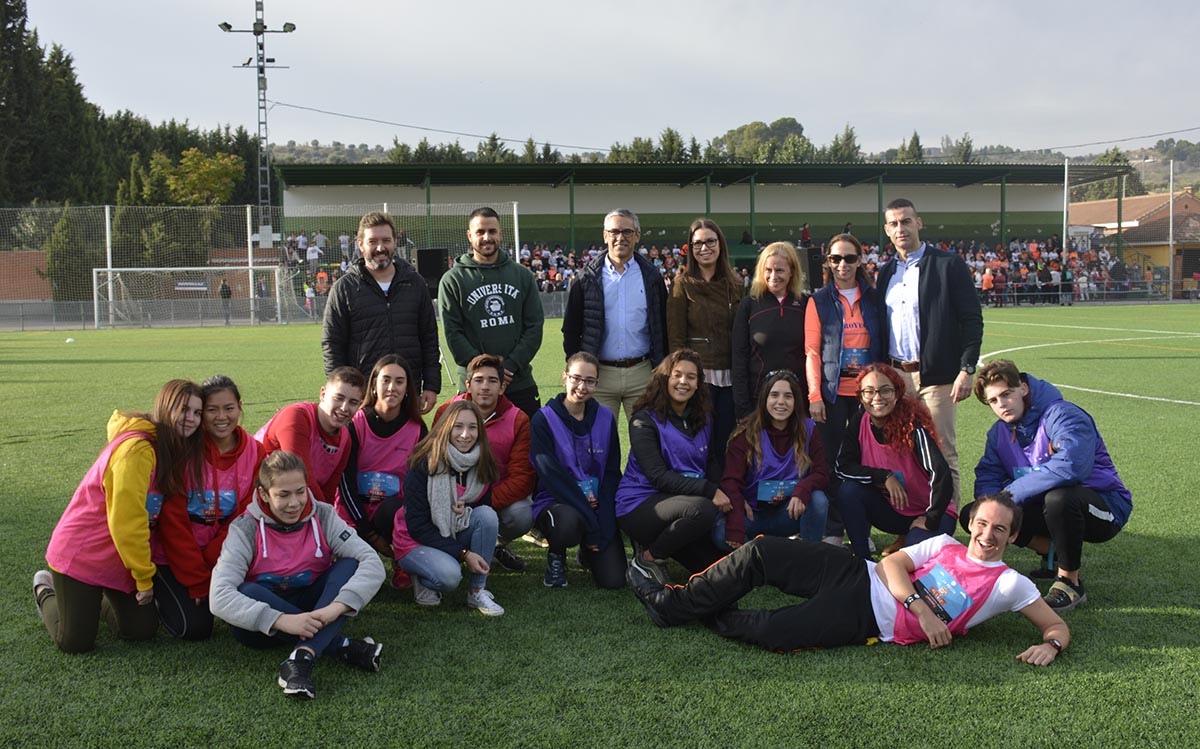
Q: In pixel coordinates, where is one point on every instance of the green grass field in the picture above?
(581, 667)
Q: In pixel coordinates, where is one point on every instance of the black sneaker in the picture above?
(362, 654)
(1044, 572)
(650, 593)
(508, 560)
(556, 571)
(1065, 595)
(295, 675)
(656, 571)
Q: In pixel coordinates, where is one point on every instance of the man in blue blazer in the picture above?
(932, 321)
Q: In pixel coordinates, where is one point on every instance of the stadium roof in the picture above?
(721, 175)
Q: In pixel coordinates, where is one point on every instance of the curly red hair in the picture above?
(907, 415)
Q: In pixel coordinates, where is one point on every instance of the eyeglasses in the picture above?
(847, 259)
(587, 382)
(627, 233)
(711, 244)
(885, 392)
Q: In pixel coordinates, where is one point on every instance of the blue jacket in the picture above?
(583, 320)
(829, 309)
(1079, 455)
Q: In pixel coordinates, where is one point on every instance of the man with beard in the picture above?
(382, 306)
(490, 304)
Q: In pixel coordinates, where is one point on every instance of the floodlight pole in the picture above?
(260, 32)
(1066, 203)
(1171, 236)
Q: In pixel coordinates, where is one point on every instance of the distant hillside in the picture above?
(334, 153)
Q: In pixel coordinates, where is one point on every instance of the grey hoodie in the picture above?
(237, 554)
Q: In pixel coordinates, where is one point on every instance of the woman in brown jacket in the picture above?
(700, 314)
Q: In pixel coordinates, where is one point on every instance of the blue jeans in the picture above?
(775, 522)
(321, 593)
(864, 506)
(439, 571)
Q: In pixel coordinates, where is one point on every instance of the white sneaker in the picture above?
(484, 602)
(425, 596)
(832, 540)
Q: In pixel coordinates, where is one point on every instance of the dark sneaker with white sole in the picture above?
(650, 592)
(1065, 595)
(556, 571)
(362, 654)
(295, 676)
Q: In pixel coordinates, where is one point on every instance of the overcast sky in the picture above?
(1019, 73)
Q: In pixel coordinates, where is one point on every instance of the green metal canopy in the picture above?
(683, 175)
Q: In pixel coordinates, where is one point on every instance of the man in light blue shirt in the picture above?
(616, 310)
(934, 323)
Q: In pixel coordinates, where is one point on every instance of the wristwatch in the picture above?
(969, 369)
(1053, 642)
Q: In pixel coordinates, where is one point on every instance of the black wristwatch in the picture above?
(969, 369)
(1055, 643)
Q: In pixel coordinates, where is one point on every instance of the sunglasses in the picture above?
(847, 259)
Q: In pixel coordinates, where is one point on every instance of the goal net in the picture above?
(200, 296)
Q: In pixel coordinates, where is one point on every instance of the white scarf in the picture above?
(442, 489)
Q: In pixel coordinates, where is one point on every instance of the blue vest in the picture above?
(829, 309)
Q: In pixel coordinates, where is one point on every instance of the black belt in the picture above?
(905, 366)
(626, 363)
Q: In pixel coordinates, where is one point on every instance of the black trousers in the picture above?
(836, 584)
(526, 400)
(677, 527)
(838, 416)
(1068, 515)
(563, 527)
(180, 615)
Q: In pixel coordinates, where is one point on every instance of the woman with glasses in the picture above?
(841, 336)
(666, 501)
(893, 474)
(775, 472)
(576, 452)
(700, 312)
(768, 329)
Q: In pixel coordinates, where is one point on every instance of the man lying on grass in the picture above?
(930, 591)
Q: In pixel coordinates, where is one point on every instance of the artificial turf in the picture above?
(582, 667)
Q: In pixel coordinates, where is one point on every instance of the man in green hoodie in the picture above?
(490, 305)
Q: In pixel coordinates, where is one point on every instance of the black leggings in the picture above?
(677, 527)
(72, 612)
(1069, 516)
(179, 613)
(563, 528)
(836, 584)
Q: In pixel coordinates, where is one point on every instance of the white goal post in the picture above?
(188, 296)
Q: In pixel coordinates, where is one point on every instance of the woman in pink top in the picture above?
(894, 476)
(101, 545)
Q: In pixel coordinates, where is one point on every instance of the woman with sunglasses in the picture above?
(775, 472)
(700, 312)
(577, 455)
(893, 474)
(768, 329)
(841, 336)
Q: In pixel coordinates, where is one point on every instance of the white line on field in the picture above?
(1084, 327)
(993, 354)
(1128, 395)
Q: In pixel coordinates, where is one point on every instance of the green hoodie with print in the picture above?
(492, 309)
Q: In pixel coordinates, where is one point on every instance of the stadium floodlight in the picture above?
(260, 31)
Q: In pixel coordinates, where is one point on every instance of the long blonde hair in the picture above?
(787, 251)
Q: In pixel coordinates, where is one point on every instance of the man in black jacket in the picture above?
(617, 311)
(382, 306)
(932, 321)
